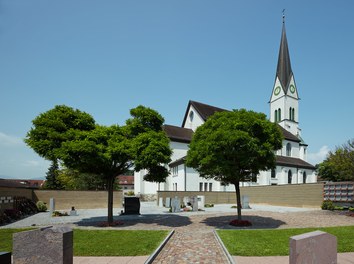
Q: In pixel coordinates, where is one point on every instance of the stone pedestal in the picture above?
(315, 247)
(52, 245)
(168, 202)
(194, 202)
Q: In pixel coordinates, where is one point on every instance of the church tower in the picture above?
(284, 101)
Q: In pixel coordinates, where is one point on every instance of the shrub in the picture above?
(41, 206)
(57, 213)
(130, 193)
(13, 214)
(351, 209)
(327, 205)
(209, 205)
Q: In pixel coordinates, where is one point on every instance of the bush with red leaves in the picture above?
(240, 223)
(106, 224)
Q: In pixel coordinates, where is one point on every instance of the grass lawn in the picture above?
(103, 242)
(275, 242)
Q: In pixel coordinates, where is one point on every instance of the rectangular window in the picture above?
(205, 186)
(210, 187)
(176, 187)
(200, 186)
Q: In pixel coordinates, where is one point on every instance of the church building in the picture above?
(291, 164)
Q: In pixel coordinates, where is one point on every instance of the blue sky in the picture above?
(106, 57)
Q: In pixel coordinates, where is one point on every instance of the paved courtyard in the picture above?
(194, 240)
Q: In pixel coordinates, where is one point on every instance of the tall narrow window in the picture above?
(290, 114)
(273, 173)
(276, 115)
(304, 176)
(205, 186)
(200, 186)
(290, 176)
(279, 114)
(293, 114)
(288, 149)
(210, 187)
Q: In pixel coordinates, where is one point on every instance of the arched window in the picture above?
(290, 176)
(288, 150)
(293, 114)
(304, 177)
(279, 114)
(276, 115)
(273, 173)
(290, 114)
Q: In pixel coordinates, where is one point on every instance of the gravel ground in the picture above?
(153, 217)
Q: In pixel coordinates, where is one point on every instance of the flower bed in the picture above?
(240, 223)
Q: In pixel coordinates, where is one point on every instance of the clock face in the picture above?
(277, 90)
(292, 88)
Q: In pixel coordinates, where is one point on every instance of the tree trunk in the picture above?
(238, 200)
(110, 183)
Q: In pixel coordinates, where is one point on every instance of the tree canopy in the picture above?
(339, 165)
(106, 151)
(232, 146)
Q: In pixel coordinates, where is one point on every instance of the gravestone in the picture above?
(176, 205)
(50, 245)
(73, 212)
(194, 202)
(201, 201)
(314, 247)
(51, 206)
(245, 202)
(160, 202)
(5, 257)
(131, 205)
(168, 202)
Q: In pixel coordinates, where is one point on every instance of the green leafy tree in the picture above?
(72, 137)
(232, 146)
(339, 165)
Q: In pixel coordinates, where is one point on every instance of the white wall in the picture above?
(195, 122)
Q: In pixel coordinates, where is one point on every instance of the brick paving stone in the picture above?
(194, 243)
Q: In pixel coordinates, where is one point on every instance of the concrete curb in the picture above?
(157, 251)
(229, 257)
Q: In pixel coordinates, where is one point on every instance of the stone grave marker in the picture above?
(160, 202)
(245, 202)
(314, 247)
(50, 245)
(176, 205)
(168, 202)
(5, 257)
(131, 205)
(194, 202)
(51, 206)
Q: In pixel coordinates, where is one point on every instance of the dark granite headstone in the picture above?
(5, 257)
(131, 205)
(52, 245)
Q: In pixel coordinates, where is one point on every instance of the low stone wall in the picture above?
(296, 195)
(64, 200)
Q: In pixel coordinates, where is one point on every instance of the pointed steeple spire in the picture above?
(284, 71)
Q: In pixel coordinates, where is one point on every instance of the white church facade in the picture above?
(291, 161)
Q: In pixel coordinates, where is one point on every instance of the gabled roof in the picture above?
(293, 162)
(280, 161)
(203, 110)
(289, 136)
(178, 134)
(284, 71)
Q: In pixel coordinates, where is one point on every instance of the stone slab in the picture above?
(51, 245)
(314, 247)
(131, 205)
